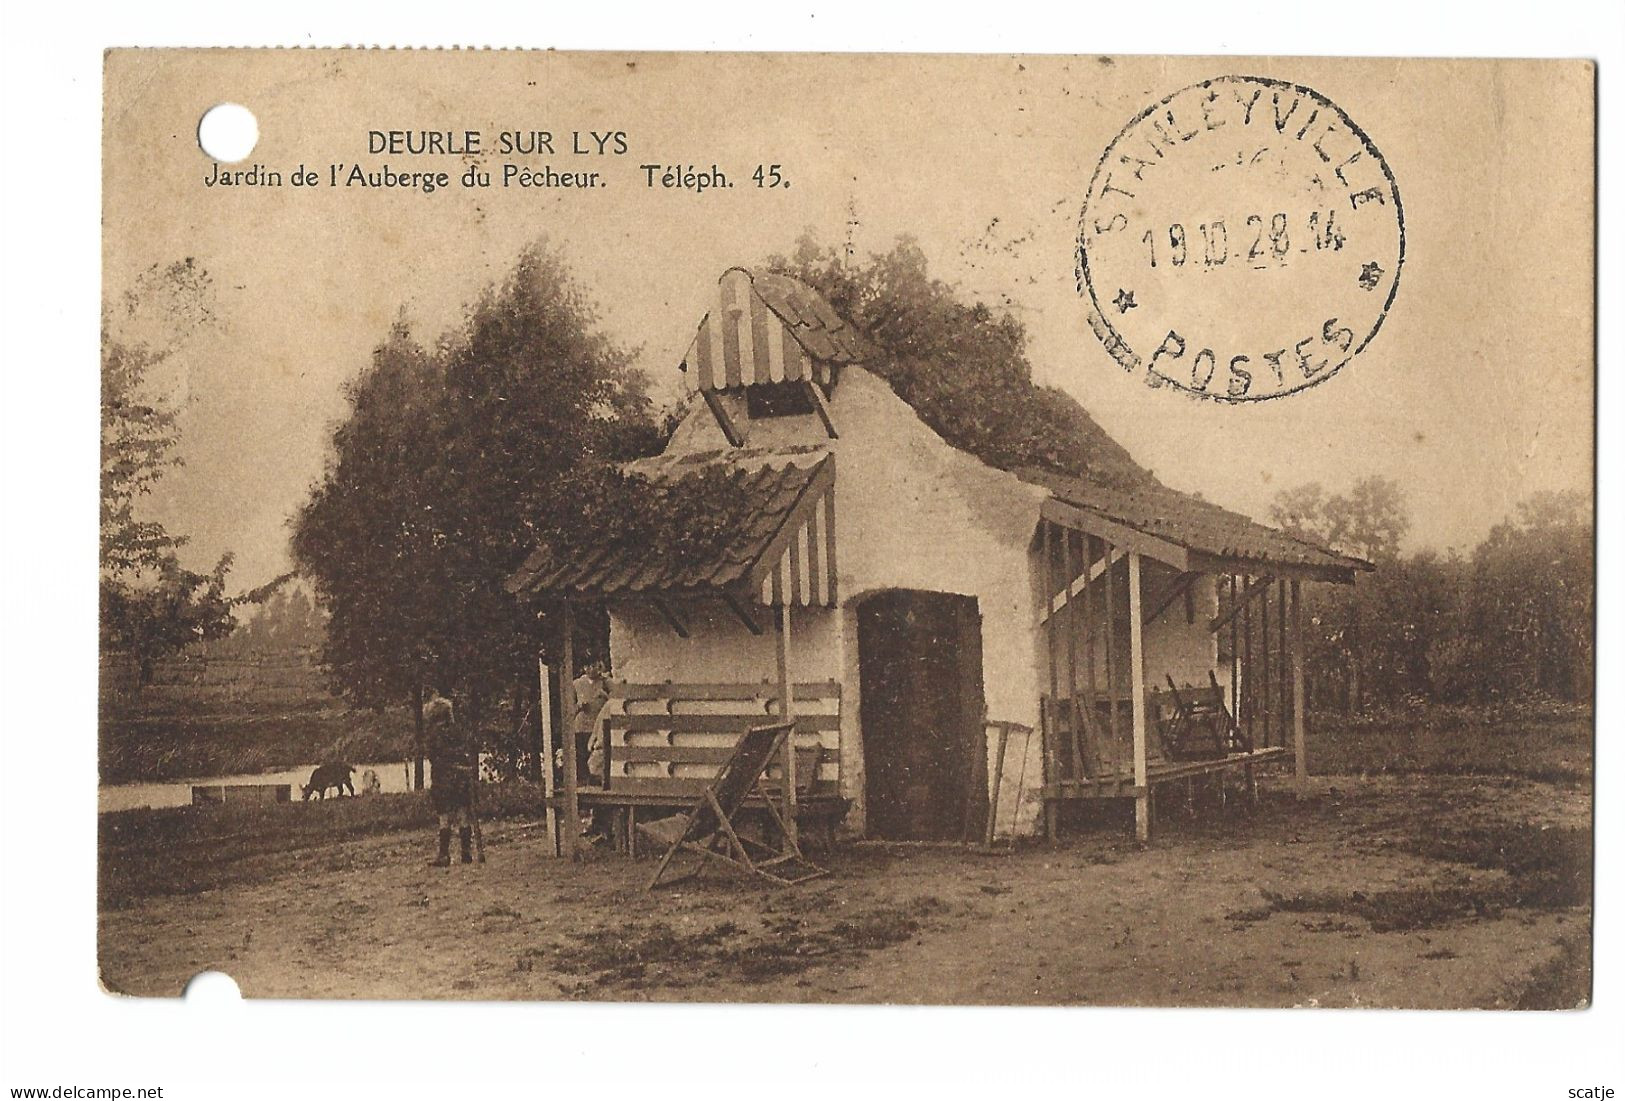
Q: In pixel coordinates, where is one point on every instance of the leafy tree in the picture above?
(1363, 635)
(452, 464)
(1515, 618)
(140, 333)
(1533, 603)
(368, 538)
(151, 605)
(962, 366)
(1368, 522)
(289, 620)
(177, 609)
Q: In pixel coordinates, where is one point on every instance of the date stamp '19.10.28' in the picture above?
(1241, 240)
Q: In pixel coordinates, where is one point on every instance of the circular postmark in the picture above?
(1241, 240)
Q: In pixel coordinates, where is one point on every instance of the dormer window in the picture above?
(778, 399)
(776, 339)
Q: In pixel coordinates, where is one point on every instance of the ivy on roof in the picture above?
(962, 367)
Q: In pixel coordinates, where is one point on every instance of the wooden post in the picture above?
(1247, 684)
(787, 712)
(998, 778)
(571, 827)
(1265, 702)
(1089, 639)
(1050, 757)
(1074, 734)
(544, 704)
(1112, 722)
(417, 736)
(1052, 748)
(1235, 654)
(1299, 747)
(1283, 672)
(1136, 657)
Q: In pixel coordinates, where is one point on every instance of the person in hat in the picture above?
(452, 775)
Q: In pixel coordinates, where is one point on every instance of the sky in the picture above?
(1477, 391)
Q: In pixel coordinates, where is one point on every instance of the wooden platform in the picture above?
(1120, 785)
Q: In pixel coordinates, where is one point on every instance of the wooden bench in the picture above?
(664, 744)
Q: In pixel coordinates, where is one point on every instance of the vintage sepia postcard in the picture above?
(973, 530)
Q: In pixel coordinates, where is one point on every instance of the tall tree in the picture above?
(449, 466)
(1516, 618)
(1533, 604)
(1368, 636)
(141, 331)
(151, 605)
(368, 537)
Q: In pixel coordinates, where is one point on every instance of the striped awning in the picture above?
(804, 571)
(767, 328)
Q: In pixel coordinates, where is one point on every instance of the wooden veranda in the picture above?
(1108, 725)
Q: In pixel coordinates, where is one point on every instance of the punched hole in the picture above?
(228, 132)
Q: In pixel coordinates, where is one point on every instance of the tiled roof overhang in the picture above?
(783, 550)
(1188, 533)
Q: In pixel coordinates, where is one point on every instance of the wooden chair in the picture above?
(708, 829)
(1201, 727)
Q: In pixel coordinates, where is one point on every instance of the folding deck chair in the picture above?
(708, 828)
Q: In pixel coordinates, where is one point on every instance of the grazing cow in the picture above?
(332, 775)
(370, 784)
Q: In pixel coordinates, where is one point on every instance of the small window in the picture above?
(778, 399)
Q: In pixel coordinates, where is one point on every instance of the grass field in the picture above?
(1553, 743)
(1444, 860)
(210, 716)
(183, 850)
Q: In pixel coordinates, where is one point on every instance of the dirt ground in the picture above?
(1390, 891)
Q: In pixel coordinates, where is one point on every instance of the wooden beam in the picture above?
(669, 614)
(787, 712)
(821, 407)
(1235, 656)
(738, 690)
(991, 826)
(1091, 712)
(1249, 692)
(1111, 657)
(1121, 535)
(1247, 595)
(1175, 588)
(1268, 705)
(571, 830)
(724, 421)
(1217, 563)
(1074, 734)
(1300, 754)
(1283, 658)
(1052, 750)
(1109, 558)
(1136, 657)
(544, 699)
(740, 609)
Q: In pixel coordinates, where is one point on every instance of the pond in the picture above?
(393, 776)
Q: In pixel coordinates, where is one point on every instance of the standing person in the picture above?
(591, 692)
(451, 777)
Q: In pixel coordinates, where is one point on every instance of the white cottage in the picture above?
(971, 648)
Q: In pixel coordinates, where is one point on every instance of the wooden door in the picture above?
(920, 670)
